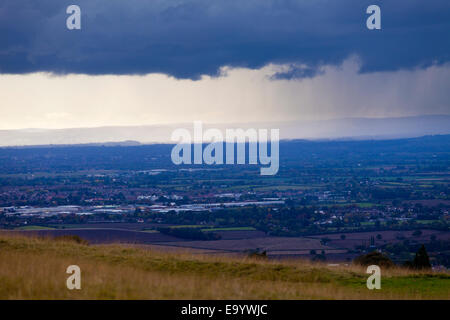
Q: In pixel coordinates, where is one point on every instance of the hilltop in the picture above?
(34, 268)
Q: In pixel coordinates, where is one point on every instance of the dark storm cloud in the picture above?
(297, 72)
(190, 38)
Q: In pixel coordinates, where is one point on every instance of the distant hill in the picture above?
(349, 128)
(157, 156)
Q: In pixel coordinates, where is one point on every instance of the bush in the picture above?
(258, 254)
(319, 257)
(374, 258)
(71, 238)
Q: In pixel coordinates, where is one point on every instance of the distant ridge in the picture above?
(336, 129)
(127, 143)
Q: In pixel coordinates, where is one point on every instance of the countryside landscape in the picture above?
(332, 202)
(31, 269)
(225, 155)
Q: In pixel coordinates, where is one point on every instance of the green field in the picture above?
(231, 229)
(426, 221)
(186, 226)
(35, 228)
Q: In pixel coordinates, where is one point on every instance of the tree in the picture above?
(342, 236)
(417, 233)
(319, 257)
(257, 253)
(421, 260)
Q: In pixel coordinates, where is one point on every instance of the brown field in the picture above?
(235, 242)
(105, 235)
(265, 243)
(232, 235)
(354, 239)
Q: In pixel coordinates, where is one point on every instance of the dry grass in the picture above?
(32, 268)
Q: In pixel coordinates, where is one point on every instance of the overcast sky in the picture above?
(169, 61)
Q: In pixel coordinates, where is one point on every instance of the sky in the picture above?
(139, 62)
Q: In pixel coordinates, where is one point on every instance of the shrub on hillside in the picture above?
(71, 238)
(374, 258)
(319, 258)
(257, 253)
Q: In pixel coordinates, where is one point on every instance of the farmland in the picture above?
(331, 200)
(335, 247)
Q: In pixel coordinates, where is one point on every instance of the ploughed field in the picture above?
(240, 241)
(359, 238)
(230, 242)
(106, 235)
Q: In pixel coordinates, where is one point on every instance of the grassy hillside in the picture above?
(33, 268)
